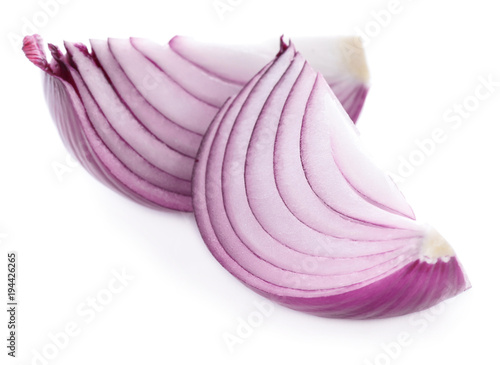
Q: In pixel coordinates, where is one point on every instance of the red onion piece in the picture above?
(373, 261)
(134, 112)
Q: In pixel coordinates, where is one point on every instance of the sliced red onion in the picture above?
(134, 112)
(285, 211)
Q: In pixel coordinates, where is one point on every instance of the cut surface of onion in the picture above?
(133, 112)
(289, 203)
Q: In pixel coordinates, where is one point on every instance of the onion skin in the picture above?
(390, 265)
(81, 138)
(133, 113)
(415, 287)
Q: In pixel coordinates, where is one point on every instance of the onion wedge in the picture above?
(289, 203)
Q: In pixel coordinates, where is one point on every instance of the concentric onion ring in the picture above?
(290, 204)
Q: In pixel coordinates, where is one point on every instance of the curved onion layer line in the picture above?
(150, 105)
(132, 184)
(343, 141)
(120, 148)
(160, 90)
(204, 85)
(289, 176)
(235, 188)
(176, 137)
(124, 123)
(67, 114)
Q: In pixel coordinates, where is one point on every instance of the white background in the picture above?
(71, 234)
